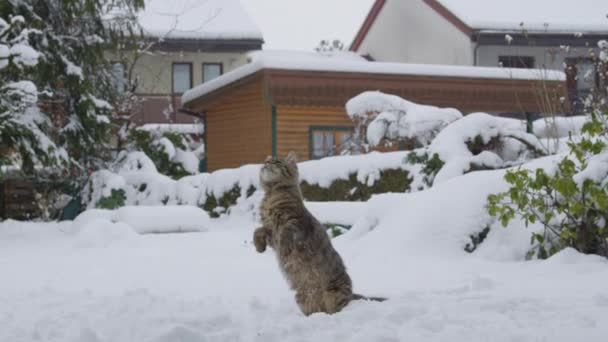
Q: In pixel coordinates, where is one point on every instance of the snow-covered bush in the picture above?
(136, 181)
(384, 119)
(478, 141)
(571, 199)
(170, 152)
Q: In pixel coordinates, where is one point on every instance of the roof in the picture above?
(197, 19)
(536, 16)
(348, 62)
(542, 16)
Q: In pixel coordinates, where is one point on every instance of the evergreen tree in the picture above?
(56, 84)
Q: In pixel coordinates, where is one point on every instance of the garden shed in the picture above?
(282, 101)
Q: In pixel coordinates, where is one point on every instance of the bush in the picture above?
(161, 148)
(571, 202)
(430, 166)
(390, 180)
(216, 206)
(114, 201)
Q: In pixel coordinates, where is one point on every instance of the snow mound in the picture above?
(559, 126)
(391, 117)
(168, 219)
(570, 256)
(149, 220)
(460, 145)
(101, 232)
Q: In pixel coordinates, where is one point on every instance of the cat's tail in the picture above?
(357, 296)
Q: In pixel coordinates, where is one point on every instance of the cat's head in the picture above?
(279, 171)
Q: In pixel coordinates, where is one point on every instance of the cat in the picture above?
(304, 251)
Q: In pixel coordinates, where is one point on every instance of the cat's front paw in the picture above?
(259, 240)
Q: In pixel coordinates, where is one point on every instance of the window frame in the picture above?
(517, 59)
(189, 64)
(317, 128)
(124, 75)
(221, 65)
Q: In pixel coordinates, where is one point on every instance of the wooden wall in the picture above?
(238, 126)
(293, 126)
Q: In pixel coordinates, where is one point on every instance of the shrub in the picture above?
(114, 201)
(161, 149)
(571, 203)
(390, 180)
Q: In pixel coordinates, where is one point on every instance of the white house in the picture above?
(545, 34)
(192, 42)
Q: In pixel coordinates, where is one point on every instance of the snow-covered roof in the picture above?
(352, 63)
(174, 128)
(198, 19)
(551, 16)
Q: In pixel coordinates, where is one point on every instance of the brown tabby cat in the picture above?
(306, 257)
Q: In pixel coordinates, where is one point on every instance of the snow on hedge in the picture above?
(454, 145)
(391, 117)
(142, 185)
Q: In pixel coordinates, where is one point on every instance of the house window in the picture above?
(582, 79)
(118, 77)
(212, 70)
(182, 77)
(524, 62)
(328, 141)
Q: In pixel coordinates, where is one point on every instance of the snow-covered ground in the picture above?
(97, 280)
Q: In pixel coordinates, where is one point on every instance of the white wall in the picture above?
(154, 71)
(410, 31)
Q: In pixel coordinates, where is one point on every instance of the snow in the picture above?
(195, 19)
(559, 126)
(24, 54)
(451, 144)
(95, 280)
(71, 68)
(398, 118)
(174, 128)
(26, 90)
(187, 159)
(167, 146)
(303, 61)
(4, 54)
(596, 170)
(543, 16)
(137, 176)
(99, 103)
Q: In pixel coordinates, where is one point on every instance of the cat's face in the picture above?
(279, 170)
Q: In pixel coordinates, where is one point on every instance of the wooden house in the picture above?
(282, 101)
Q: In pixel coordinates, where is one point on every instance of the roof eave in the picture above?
(367, 24)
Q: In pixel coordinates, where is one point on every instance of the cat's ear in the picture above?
(291, 157)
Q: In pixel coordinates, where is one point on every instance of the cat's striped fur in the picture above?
(304, 251)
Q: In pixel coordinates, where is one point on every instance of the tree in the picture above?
(55, 112)
(326, 46)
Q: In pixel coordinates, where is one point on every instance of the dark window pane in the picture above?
(525, 62)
